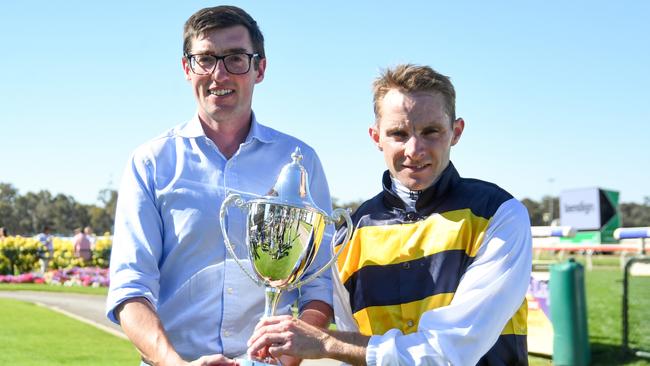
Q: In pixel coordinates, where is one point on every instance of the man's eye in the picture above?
(204, 59)
(237, 58)
(398, 134)
(430, 131)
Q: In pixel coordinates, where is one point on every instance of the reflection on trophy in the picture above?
(284, 230)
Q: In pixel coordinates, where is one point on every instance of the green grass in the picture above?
(53, 288)
(639, 307)
(34, 335)
(604, 292)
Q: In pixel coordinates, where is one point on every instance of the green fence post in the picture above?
(569, 315)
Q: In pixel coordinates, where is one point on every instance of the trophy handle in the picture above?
(336, 216)
(239, 202)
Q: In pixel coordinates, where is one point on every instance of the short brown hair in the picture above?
(409, 78)
(219, 17)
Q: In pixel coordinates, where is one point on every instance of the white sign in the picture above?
(580, 208)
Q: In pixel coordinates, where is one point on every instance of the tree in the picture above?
(634, 214)
(8, 196)
(535, 211)
(109, 198)
(540, 212)
(102, 219)
(32, 212)
(66, 214)
(27, 214)
(551, 207)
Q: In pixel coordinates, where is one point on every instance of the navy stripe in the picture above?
(393, 284)
(509, 350)
(482, 198)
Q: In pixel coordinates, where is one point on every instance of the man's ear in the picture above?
(373, 131)
(457, 128)
(261, 68)
(186, 68)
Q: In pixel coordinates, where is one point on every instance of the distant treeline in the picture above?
(27, 214)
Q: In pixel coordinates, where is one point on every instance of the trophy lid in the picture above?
(292, 186)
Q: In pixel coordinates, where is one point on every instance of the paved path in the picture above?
(90, 309)
(86, 308)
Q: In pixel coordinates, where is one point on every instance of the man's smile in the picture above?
(416, 167)
(220, 92)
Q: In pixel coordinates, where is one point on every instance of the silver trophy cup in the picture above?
(284, 230)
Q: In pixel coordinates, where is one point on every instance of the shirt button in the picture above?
(406, 265)
(409, 323)
(226, 333)
(229, 290)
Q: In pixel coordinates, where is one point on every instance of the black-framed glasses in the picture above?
(235, 63)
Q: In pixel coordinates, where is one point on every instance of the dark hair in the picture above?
(219, 17)
(411, 78)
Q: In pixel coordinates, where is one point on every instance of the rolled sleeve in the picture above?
(137, 240)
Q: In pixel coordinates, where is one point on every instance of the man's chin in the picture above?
(414, 184)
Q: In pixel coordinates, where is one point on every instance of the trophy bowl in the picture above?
(284, 231)
(283, 241)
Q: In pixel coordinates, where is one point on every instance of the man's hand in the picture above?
(285, 335)
(214, 360)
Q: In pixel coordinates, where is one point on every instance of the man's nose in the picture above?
(414, 148)
(220, 71)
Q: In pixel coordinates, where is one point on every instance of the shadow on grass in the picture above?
(608, 354)
(601, 355)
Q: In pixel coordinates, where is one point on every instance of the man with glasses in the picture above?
(179, 298)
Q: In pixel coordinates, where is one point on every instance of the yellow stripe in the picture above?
(377, 320)
(383, 245)
(399, 243)
(518, 324)
(406, 317)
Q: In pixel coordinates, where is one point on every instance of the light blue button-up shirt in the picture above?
(168, 246)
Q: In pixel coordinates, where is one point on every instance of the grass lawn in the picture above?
(604, 292)
(53, 288)
(34, 335)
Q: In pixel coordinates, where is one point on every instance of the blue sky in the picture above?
(554, 94)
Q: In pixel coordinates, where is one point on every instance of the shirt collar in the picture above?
(194, 129)
(408, 196)
(191, 129)
(259, 132)
(429, 196)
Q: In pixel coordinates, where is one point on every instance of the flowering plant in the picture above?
(21, 255)
(102, 251)
(75, 276)
(18, 254)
